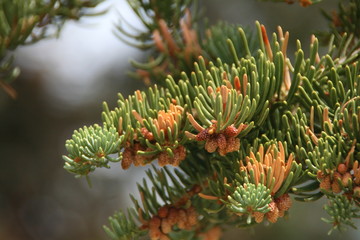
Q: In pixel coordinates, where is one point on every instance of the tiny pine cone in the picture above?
(173, 216)
(342, 168)
(166, 227)
(182, 219)
(336, 176)
(221, 141)
(211, 145)
(335, 186)
(320, 175)
(179, 155)
(230, 131)
(139, 160)
(163, 159)
(326, 183)
(127, 159)
(281, 213)
(357, 192)
(345, 179)
(163, 211)
(147, 134)
(192, 216)
(233, 144)
(259, 216)
(203, 135)
(273, 215)
(155, 234)
(154, 222)
(284, 202)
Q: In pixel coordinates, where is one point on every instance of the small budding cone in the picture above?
(259, 216)
(163, 159)
(192, 216)
(230, 131)
(127, 159)
(326, 183)
(273, 215)
(342, 168)
(166, 227)
(211, 145)
(173, 216)
(357, 192)
(335, 186)
(154, 228)
(345, 179)
(163, 211)
(233, 144)
(221, 141)
(182, 223)
(284, 202)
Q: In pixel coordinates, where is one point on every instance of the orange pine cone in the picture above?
(211, 145)
(273, 215)
(259, 217)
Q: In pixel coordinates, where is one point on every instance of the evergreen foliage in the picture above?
(245, 126)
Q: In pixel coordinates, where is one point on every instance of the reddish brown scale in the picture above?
(203, 135)
(221, 141)
(273, 215)
(231, 131)
(147, 134)
(163, 211)
(342, 168)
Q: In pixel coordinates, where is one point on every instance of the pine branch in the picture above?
(26, 22)
(244, 126)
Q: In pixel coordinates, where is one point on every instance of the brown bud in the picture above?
(320, 175)
(342, 168)
(163, 159)
(221, 141)
(230, 131)
(163, 211)
(192, 216)
(233, 144)
(173, 216)
(357, 192)
(326, 183)
(155, 234)
(203, 135)
(211, 145)
(182, 219)
(335, 186)
(154, 222)
(345, 179)
(273, 215)
(259, 217)
(284, 202)
(127, 159)
(179, 155)
(165, 226)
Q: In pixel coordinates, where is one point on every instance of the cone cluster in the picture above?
(170, 217)
(278, 207)
(344, 177)
(223, 142)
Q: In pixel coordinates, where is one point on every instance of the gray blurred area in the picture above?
(61, 88)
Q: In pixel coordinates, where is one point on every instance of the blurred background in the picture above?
(61, 88)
